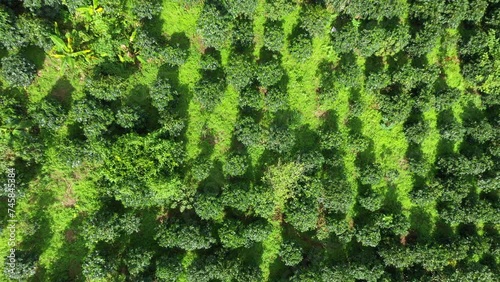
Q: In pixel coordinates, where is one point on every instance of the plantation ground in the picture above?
(59, 196)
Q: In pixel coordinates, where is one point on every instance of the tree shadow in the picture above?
(34, 245)
(306, 140)
(211, 65)
(415, 129)
(207, 142)
(34, 54)
(68, 266)
(110, 67)
(62, 91)
(446, 123)
(421, 226)
(397, 61)
(179, 40)
(443, 233)
(326, 90)
(3, 52)
(420, 61)
(179, 107)
(471, 114)
(373, 64)
(154, 28)
(148, 115)
(266, 56)
(214, 182)
(473, 119)
(342, 20)
(391, 202)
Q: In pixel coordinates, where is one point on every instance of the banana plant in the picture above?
(130, 54)
(16, 128)
(89, 11)
(64, 50)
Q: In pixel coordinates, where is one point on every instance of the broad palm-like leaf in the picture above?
(64, 51)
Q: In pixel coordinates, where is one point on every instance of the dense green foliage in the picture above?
(251, 140)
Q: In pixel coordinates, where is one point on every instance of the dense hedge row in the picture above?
(163, 215)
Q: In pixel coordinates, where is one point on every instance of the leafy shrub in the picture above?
(341, 229)
(358, 143)
(188, 236)
(49, 114)
(238, 196)
(346, 74)
(315, 20)
(233, 234)
(137, 261)
(382, 42)
(108, 227)
(240, 71)
(145, 48)
(276, 10)
(208, 93)
(17, 71)
(33, 31)
(424, 40)
(368, 236)
(270, 73)
(377, 81)
(463, 166)
(275, 100)
(235, 165)
(209, 62)
(418, 167)
(162, 94)
(273, 36)
(280, 139)
(416, 132)
(97, 266)
(345, 41)
(290, 253)
(147, 10)
(371, 201)
(93, 116)
(453, 131)
(169, 268)
(239, 8)
(312, 161)
(201, 170)
(26, 265)
(418, 80)
(302, 213)
(10, 38)
(330, 141)
(128, 117)
(395, 109)
(107, 88)
(338, 196)
(482, 131)
(251, 97)
(371, 174)
(446, 98)
(243, 33)
(208, 207)
(369, 10)
(427, 194)
(213, 27)
(172, 55)
(248, 131)
(222, 266)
